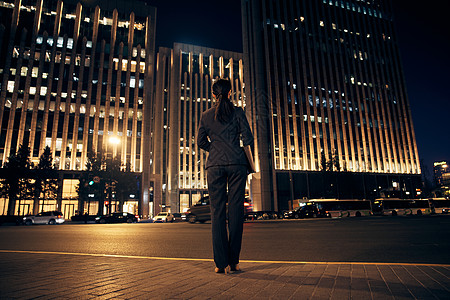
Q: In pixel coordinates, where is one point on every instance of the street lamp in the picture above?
(114, 140)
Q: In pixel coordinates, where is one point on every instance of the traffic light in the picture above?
(91, 182)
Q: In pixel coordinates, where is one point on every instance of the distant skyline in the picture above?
(423, 37)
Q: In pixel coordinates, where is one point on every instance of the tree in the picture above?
(127, 184)
(323, 162)
(17, 178)
(114, 181)
(112, 176)
(336, 163)
(46, 181)
(87, 189)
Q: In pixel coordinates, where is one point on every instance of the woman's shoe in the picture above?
(225, 270)
(235, 268)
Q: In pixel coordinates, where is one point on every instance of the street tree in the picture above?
(127, 184)
(87, 188)
(46, 179)
(16, 181)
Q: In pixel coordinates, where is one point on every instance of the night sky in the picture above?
(424, 38)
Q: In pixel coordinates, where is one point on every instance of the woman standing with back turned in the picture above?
(221, 128)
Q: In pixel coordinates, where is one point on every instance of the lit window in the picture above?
(124, 64)
(139, 26)
(69, 43)
(11, 86)
(59, 42)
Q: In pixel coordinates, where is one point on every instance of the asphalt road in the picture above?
(410, 239)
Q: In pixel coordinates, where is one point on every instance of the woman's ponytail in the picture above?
(224, 107)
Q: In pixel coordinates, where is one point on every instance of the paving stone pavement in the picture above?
(41, 275)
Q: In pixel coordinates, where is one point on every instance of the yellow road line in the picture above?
(242, 261)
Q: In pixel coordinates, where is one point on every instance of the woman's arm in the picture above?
(248, 153)
(245, 131)
(202, 137)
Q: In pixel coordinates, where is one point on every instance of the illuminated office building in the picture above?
(75, 76)
(441, 170)
(326, 91)
(184, 76)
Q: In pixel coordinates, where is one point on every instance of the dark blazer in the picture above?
(222, 141)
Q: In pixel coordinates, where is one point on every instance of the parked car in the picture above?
(84, 218)
(45, 217)
(201, 212)
(163, 217)
(306, 211)
(5, 219)
(117, 217)
(263, 215)
(177, 217)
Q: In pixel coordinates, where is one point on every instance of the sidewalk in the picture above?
(39, 275)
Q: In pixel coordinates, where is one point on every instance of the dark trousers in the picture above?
(227, 246)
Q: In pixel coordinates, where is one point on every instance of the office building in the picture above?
(184, 77)
(326, 93)
(77, 77)
(441, 170)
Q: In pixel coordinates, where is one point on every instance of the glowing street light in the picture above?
(114, 140)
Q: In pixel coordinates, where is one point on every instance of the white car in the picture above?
(46, 217)
(163, 217)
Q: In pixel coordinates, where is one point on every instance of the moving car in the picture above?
(199, 212)
(45, 217)
(163, 217)
(117, 217)
(306, 211)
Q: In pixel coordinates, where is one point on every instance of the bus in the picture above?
(402, 207)
(344, 208)
(440, 205)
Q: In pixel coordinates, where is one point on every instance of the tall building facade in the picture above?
(184, 78)
(441, 170)
(326, 94)
(77, 76)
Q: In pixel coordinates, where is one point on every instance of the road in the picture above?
(410, 239)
